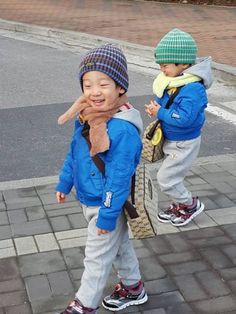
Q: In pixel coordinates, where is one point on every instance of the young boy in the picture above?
(114, 135)
(182, 122)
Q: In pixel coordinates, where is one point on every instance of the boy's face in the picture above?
(100, 90)
(173, 70)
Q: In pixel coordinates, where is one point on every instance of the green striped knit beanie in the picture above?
(176, 47)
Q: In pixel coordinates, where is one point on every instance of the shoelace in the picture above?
(120, 291)
(173, 208)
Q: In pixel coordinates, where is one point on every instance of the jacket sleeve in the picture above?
(66, 179)
(189, 104)
(122, 159)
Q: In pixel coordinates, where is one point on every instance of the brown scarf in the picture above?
(97, 120)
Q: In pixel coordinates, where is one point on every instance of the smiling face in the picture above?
(100, 90)
(173, 70)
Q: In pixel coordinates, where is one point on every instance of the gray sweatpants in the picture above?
(179, 157)
(101, 252)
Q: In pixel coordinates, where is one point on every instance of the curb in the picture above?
(26, 183)
(138, 55)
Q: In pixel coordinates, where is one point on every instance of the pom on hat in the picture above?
(108, 59)
(176, 47)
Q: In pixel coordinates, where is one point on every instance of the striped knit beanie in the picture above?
(176, 47)
(108, 59)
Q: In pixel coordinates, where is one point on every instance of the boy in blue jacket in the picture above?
(114, 134)
(182, 122)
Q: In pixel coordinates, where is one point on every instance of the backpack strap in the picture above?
(172, 97)
(131, 210)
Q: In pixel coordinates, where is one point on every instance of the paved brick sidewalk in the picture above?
(186, 270)
(142, 22)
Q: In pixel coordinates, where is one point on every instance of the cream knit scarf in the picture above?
(97, 119)
(163, 82)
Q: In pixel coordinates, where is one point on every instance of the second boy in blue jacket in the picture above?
(182, 122)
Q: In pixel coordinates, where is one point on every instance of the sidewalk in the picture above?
(186, 270)
(140, 22)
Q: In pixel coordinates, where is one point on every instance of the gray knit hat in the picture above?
(176, 47)
(108, 59)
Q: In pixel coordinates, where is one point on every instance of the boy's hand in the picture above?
(152, 108)
(101, 231)
(60, 197)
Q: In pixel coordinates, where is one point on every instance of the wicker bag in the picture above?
(153, 141)
(141, 225)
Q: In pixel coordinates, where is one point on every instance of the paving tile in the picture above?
(190, 288)
(181, 308)
(17, 216)
(5, 232)
(35, 213)
(60, 283)
(221, 217)
(228, 273)
(46, 242)
(213, 284)
(22, 202)
(45, 189)
(31, 227)
(38, 287)
(188, 267)
(160, 286)
(71, 234)
(195, 180)
(216, 305)
(77, 221)
(55, 304)
(6, 243)
(158, 244)
(4, 218)
(19, 309)
(60, 223)
(19, 193)
(13, 298)
(62, 211)
(230, 251)
(177, 242)
(216, 258)
(230, 230)
(155, 311)
(163, 301)
(72, 243)
(41, 263)
(154, 269)
(25, 245)
(73, 257)
(63, 205)
(7, 252)
(173, 258)
(2, 206)
(11, 285)
(8, 269)
(204, 221)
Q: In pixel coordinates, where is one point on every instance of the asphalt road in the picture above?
(37, 84)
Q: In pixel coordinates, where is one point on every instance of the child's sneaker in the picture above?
(165, 215)
(187, 212)
(75, 307)
(122, 297)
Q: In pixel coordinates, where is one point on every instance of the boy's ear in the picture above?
(186, 66)
(121, 91)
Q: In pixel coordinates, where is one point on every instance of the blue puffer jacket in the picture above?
(111, 191)
(185, 117)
